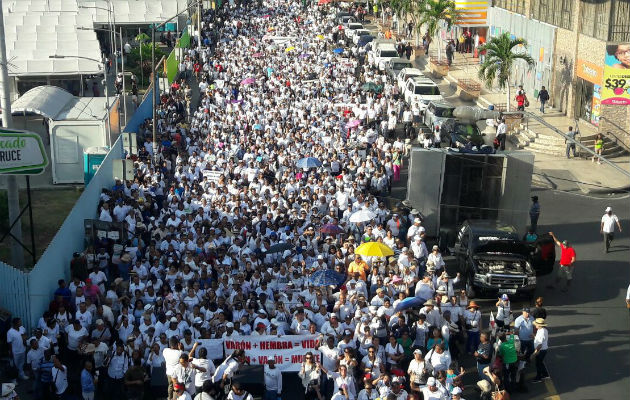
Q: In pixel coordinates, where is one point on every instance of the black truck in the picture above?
(494, 260)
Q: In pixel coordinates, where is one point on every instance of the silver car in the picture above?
(437, 112)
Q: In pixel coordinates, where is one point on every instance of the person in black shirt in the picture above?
(538, 311)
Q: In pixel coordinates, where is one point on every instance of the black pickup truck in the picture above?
(494, 260)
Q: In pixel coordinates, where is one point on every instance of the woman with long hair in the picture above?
(310, 373)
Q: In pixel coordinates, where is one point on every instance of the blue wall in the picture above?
(27, 294)
(143, 112)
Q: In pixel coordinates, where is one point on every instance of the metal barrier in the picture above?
(577, 143)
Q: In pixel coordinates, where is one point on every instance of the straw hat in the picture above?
(540, 322)
(472, 304)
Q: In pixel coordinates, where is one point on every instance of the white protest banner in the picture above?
(288, 350)
(214, 347)
(213, 176)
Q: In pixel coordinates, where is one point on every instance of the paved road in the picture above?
(589, 326)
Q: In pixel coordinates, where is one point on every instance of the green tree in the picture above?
(502, 52)
(141, 65)
(433, 13)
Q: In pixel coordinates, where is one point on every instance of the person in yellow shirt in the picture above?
(358, 265)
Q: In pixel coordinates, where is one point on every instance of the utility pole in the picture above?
(13, 194)
(198, 26)
(122, 60)
(156, 90)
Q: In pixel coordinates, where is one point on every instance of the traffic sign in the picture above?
(21, 153)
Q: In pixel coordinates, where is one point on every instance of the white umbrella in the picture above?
(362, 216)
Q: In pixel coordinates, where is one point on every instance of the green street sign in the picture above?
(21, 153)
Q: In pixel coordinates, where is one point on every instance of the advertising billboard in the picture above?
(616, 82)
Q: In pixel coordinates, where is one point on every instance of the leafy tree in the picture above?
(435, 12)
(502, 52)
(133, 59)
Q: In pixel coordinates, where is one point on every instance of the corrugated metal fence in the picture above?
(14, 291)
(27, 294)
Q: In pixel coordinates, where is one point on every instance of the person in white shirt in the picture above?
(273, 380)
(607, 227)
(439, 358)
(34, 357)
(15, 339)
(60, 377)
(368, 393)
(435, 258)
(541, 346)
(238, 393)
(171, 358)
(105, 216)
(431, 392)
(341, 379)
(180, 393)
(205, 369)
(628, 297)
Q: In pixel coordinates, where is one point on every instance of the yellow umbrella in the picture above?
(374, 249)
(320, 37)
(288, 49)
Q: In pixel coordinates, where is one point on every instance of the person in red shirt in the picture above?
(567, 261)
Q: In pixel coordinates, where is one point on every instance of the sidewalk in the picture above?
(550, 171)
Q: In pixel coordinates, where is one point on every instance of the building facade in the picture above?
(582, 54)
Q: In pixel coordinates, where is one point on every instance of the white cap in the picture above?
(320, 257)
(229, 325)
(174, 320)
(417, 221)
(456, 390)
(431, 381)
(608, 209)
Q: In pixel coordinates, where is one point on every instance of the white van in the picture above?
(421, 91)
(382, 53)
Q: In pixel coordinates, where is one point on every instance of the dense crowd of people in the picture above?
(204, 212)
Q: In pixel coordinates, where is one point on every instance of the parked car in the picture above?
(381, 54)
(493, 260)
(456, 133)
(407, 73)
(351, 29)
(357, 35)
(365, 40)
(436, 112)
(421, 91)
(395, 65)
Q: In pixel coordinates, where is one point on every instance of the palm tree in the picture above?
(433, 12)
(501, 53)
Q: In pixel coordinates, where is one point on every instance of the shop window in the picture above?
(619, 21)
(595, 18)
(554, 12)
(517, 6)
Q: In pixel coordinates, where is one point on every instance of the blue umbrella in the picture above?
(409, 302)
(338, 50)
(326, 277)
(308, 162)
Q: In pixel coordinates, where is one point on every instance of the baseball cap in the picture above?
(608, 209)
(431, 381)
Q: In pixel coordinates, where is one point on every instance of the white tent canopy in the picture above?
(57, 104)
(35, 30)
(47, 101)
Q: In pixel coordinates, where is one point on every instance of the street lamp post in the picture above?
(111, 22)
(122, 57)
(109, 128)
(156, 85)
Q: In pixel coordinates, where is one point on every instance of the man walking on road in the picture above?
(534, 213)
(567, 259)
(541, 345)
(571, 141)
(607, 227)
